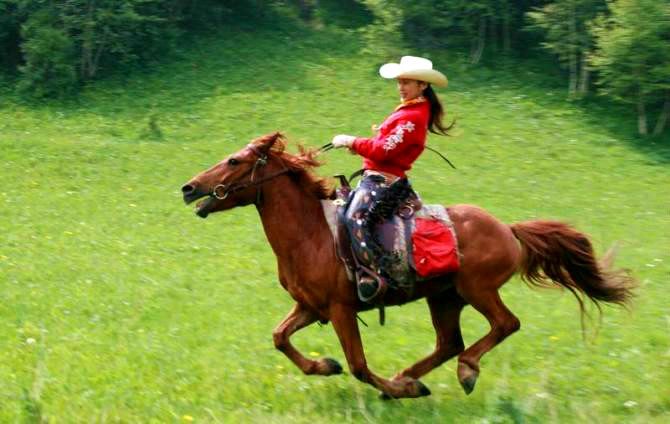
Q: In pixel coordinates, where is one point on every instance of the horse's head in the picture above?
(236, 179)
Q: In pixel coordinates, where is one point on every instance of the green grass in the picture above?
(120, 305)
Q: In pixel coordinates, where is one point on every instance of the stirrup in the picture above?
(370, 288)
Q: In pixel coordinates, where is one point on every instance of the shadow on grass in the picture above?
(602, 113)
(541, 83)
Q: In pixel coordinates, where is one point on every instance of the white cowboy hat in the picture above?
(412, 67)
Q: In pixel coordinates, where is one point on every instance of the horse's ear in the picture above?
(266, 142)
(273, 138)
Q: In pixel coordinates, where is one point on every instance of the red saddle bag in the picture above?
(434, 248)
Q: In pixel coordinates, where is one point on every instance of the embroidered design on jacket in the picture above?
(396, 138)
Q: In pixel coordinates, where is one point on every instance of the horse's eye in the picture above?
(233, 161)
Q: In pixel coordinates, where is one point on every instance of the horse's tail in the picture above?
(556, 252)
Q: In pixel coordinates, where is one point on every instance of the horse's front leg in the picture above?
(343, 318)
(298, 318)
(445, 310)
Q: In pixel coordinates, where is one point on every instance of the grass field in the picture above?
(120, 305)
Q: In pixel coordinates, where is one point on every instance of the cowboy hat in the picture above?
(413, 67)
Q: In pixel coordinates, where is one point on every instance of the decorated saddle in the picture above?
(417, 242)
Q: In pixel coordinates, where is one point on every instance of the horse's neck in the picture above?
(293, 219)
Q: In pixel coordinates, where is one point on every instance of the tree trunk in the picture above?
(476, 55)
(663, 117)
(572, 87)
(87, 42)
(102, 45)
(306, 8)
(641, 116)
(584, 76)
(507, 40)
(572, 84)
(494, 37)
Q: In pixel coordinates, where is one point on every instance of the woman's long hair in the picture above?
(435, 124)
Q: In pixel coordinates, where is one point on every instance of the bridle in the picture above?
(222, 191)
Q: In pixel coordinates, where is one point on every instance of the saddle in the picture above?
(419, 239)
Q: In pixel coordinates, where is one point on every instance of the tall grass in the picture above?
(120, 305)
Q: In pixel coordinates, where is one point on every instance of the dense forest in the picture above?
(618, 48)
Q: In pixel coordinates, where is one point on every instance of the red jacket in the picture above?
(400, 140)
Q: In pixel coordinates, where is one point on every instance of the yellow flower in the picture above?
(314, 354)
(553, 338)
(188, 418)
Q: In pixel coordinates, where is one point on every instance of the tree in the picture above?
(384, 36)
(565, 24)
(480, 26)
(48, 51)
(10, 28)
(56, 45)
(633, 56)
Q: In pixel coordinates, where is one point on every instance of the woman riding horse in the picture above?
(387, 157)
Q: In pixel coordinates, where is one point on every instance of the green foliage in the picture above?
(384, 36)
(565, 25)
(344, 13)
(93, 37)
(437, 21)
(480, 27)
(49, 58)
(633, 53)
(9, 35)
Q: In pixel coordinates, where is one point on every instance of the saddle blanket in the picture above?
(424, 243)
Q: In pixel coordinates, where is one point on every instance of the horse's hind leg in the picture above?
(502, 322)
(298, 318)
(445, 311)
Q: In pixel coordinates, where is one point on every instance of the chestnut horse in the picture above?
(288, 198)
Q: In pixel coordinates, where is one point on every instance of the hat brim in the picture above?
(395, 70)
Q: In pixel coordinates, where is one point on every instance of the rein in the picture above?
(222, 191)
(329, 146)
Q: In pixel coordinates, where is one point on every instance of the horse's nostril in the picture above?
(187, 189)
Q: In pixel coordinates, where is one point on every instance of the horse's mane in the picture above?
(300, 165)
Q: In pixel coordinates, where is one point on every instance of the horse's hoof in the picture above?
(384, 396)
(467, 377)
(423, 389)
(408, 388)
(333, 367)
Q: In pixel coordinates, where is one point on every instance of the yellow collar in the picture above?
(419, 99)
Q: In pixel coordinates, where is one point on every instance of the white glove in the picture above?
(343, 140)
